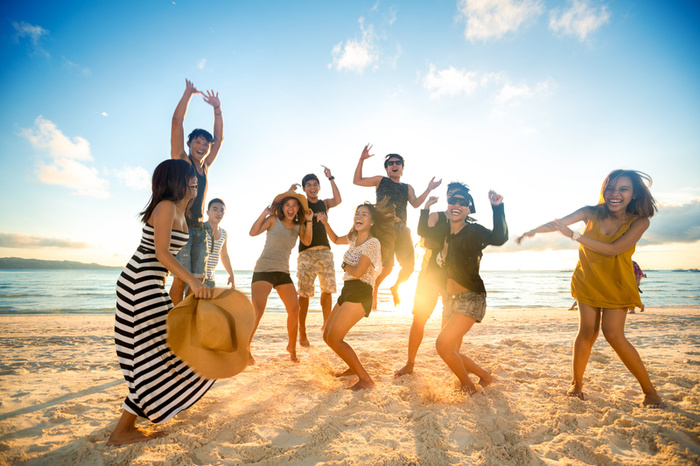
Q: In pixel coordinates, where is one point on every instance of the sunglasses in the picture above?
(458, 201)
(394, 162)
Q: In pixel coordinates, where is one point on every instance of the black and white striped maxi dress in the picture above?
(160, 384)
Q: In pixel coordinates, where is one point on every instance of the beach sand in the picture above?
(61, 391)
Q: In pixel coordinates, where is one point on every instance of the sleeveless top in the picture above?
(319, 238)
(279, 243)
(197, 207)
(397, 194)
(370, 248)
(214, 251)
(603, 281)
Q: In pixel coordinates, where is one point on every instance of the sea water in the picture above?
(93, 291)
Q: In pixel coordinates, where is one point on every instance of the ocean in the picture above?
(93, 291)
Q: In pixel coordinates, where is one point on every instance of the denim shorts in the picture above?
(193, 255)
(467, 303)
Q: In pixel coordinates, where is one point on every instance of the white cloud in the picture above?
(487, 19)
(104, 114)
(85, 71)
(65, 166)
(202, 63)
(33, 33)
(451, 81)
(514, 94)
(580, 19)
(392, 16)
(136, 178)
(354, 55)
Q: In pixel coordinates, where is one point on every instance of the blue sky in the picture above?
(538, 100)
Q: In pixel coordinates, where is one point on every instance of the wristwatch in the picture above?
(343, 265)
(575, 235)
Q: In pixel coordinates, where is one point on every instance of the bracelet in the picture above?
(331, 178)
(575, 236)
(217, 113)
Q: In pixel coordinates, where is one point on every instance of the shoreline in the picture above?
(61, 392)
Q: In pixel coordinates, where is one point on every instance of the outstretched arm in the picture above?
(581, 215)
(226, 262)
(417, 201)
(336, 200)
(323, 218)
(620, 245)
(358, 179)
(213, 99)
(177, 131)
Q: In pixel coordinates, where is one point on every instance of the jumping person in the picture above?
(399, 195)
(603, 283)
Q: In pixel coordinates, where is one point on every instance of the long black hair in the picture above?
(384, 216)
(169, 183)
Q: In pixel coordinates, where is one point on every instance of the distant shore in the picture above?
(15, 263)
(61, 391)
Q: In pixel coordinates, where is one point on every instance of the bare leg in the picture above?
(447, 345)
(424, 303)
(588, 329)
(380, 278)
(342, 319)
(404, 274)
(303, 311)
(288, 295)
(126, 432)
(259, 292)
(177, 289)
(614, 331)
(326, 306)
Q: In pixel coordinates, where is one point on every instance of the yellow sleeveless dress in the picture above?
(603, 281)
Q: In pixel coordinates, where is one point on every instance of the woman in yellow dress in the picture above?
(604, 283)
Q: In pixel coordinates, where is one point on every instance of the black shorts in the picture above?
(402, 248)
(275, 278)
(357, 291)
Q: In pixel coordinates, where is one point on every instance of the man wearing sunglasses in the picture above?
(399, 194)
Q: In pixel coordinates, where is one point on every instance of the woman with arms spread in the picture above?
(160, 384)
(603, 282)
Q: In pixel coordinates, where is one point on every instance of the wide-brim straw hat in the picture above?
(303, 203)
(212, 335)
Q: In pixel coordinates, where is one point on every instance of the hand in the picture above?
(267, 211)
(495, 198)
(322, 217)
(201, 291)
(326, 171)
(190, 87)
(365, 152)
(231, 281)
(294, 187)
(563, 229)
(527, 234)
(431, 200)
(212, 99)
(434, 184)
(309, 214)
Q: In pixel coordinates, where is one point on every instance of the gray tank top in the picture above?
(279, 243)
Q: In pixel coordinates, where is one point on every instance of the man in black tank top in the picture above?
(203, 149)
(399, 194)
(316, 259)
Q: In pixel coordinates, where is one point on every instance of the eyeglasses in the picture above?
(458, 201)
(394, 162)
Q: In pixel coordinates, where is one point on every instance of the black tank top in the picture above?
(397, 194)
(197, 207)
(320, 238)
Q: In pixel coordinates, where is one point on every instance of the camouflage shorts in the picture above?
(312, 263)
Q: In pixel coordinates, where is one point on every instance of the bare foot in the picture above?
(395, 294)
(251, 360)
(468, 389)
(362, 384)
(653, 402)
(631, 311)
(374, 300)
(292, 354)
(345, 373)
(407, 369)
(304, 341)
(575, 392)
(132, 436)
(486, 381)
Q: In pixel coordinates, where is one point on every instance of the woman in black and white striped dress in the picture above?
(160, 384)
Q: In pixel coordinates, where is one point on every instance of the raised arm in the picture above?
(581, 215)
(620, 245)
(177, 130)
(427, 220)
(226, 261)
(323, 218)
(213, 99)
(162, 219)
(417, 201)
(306, 230)
(358, 179)
(336, 199)
(499, 234)
(263, 223)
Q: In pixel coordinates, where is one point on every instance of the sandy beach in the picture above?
(61, 392)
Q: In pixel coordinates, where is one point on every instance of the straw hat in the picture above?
(299, 197)
(212, 335)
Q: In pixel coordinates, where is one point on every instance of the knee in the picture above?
(588, 335)
(614, 337)
(443, 347)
